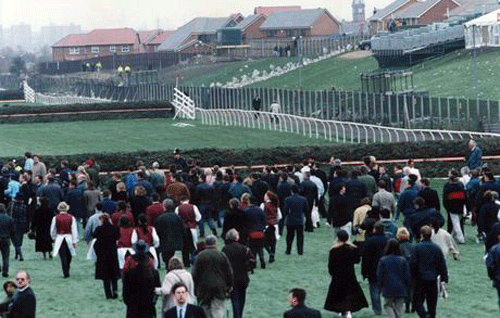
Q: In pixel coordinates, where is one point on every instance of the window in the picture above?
(74, 50)
(112, 48)
(125, 48)
(95, 49)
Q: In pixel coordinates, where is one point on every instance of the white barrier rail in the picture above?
(338, 131)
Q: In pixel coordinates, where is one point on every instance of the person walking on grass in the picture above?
(296, 299)
(393, 275)
(63, 231)
(427, 267)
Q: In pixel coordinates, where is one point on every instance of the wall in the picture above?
(438, 12)
(325, 25)
(253, 31)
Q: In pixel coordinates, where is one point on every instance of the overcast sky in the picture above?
(146, 14)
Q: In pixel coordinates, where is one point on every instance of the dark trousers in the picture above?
(187, 248)
(166, 256)
(110, 288)
(309, 223)
(270, 241)
(426, 291)
(238, 297)
(256, 245)
(66, 258)
(5, 249)
(290, 235)
(321, 207)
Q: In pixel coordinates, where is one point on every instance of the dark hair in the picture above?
(299, 294)
(412, 179)
(143, 223)
(155, 197)
(342, 235)
(382, 184)
(379, 228)
(425, 182)
(106, 193)
(385, 213)
(419, 201)
(124, 222)
(177, 285)
(294, 188)
(121, 205)
(392, 247)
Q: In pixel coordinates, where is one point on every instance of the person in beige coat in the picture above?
(175, 274)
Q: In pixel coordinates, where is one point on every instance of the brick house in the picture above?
(307, 22)
(268, 11)
(97, 43)
(196, 36)
(381, 17)
(250, 27)
(425, 13)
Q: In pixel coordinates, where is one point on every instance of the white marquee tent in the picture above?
(483, 31)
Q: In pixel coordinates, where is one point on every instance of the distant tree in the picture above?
(44, 54)
(18, 66)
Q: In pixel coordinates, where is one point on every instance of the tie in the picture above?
(180, 313)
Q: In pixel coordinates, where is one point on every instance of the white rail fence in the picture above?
(33, 97)
(337, 131)
(184, 106)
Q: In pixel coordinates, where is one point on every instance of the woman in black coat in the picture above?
(106, 267)
(236, 219)
(139, 282)
(40, 225)
(344, 294)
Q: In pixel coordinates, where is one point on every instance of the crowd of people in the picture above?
(136, 221)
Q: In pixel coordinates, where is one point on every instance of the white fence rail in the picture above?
(184, 106)
(33, 97)
(338, 131)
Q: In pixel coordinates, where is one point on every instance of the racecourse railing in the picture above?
(332, 130)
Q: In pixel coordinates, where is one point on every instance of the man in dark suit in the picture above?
(295, 208)
(182, 309)
(170, 230)
(23, 303)
(296, 299)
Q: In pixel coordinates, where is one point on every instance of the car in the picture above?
(365, 45)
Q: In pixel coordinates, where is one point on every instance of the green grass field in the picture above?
(59, 138)
(452, 75)
(470, 291)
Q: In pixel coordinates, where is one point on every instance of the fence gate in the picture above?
(184, 105)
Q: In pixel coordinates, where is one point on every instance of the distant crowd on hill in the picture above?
(134, 222)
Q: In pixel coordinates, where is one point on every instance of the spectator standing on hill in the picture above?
(213, 279)
(427, 265)
(345, 296)
(474, 159)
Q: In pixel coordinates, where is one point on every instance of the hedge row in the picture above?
(9, 114)
(280, 155)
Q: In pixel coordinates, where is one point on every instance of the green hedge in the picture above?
(279, 155)
(34, 113)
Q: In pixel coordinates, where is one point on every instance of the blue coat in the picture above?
(475, 158)
(393, 275)
(295, 208)
(427, 262)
